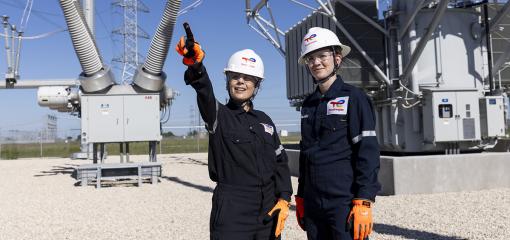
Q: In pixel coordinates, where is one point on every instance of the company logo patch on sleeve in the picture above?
(268, 128)
(338, 106)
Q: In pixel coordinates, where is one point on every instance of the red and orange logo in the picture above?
(310, 38)
(337, 104)
(249, 59)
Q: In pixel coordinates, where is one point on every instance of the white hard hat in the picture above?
(317, 38)
(246, 62)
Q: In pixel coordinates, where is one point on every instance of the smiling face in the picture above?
(321, 62)
(241, 86)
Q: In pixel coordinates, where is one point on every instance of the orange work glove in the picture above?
(189, 59)
(282, 209)
(361, 217)
(300, 211)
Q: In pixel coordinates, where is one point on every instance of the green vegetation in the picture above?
(58, 149)
(62, 149)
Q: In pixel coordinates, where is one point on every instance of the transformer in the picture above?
(435, 70)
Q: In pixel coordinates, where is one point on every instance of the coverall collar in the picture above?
(237, 107)
(333, 90)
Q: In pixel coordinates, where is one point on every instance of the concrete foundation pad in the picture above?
(444, 173)
(436, 173)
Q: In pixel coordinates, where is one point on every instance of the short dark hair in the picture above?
(338, 50)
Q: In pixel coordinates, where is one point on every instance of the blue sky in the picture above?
(219, 25)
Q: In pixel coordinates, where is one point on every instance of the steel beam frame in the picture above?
(34, 84)
(326, 9)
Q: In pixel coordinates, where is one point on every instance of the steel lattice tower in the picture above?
(130, 31)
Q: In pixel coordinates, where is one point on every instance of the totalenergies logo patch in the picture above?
(337, 104)
(310, 39)
(245, 59)
(248, 62)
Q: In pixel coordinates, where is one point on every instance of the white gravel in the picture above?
(39, 200)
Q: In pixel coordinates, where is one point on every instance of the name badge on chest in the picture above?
(338, 106)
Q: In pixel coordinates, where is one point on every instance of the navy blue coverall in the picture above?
(246, 160)
(339, 158)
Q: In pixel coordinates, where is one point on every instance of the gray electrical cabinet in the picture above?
(121, 115)
(492, 116)
(455, 115)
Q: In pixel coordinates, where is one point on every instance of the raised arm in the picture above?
(196, 76)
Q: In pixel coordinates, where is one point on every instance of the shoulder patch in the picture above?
(268, 128)
(338, 106)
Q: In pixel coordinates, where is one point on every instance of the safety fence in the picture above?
(16, 144)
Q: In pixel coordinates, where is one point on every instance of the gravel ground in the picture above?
(39, 200)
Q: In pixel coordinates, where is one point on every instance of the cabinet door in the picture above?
(141, 118)
(445, 123)
(104, 118)
(468, 115)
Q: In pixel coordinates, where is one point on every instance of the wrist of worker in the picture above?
(285, 196)
(363, 202)
(194, 72)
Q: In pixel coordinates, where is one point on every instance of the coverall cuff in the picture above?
(193, 73)
(285, 196)
(365, 195)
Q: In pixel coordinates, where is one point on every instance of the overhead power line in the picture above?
(39, 36)
(37, 13)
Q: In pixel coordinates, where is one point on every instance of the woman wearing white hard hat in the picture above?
(339, 153)
(246, 159)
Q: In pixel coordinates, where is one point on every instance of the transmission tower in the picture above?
(130, 31)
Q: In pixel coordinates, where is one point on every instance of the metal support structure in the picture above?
(363, 16)
(130, 33)
(152, 151)
(127, 152)
(326, 9)
(488, 41)
(6, 25)
(411, 18)
(438, 14)
(121, 152)
(275, 43)
(500, 62)
(88, 12)
(262, 24)
(34, 84)
(94, 153)
(18, 55)
(13, 39)
(496, 20)
(101, 152)
(492, 24)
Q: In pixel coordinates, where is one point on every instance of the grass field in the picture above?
(62, 149)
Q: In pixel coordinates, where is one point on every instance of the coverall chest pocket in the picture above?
(268, 152)
(238, 144)
(333, 130)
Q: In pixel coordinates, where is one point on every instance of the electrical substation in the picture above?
(111, 112)
(436, 70)
(437, 73)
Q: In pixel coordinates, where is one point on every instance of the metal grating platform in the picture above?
(97, 173)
